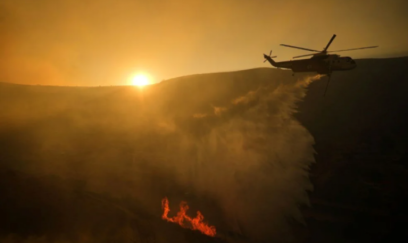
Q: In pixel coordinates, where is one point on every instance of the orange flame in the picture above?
(185, 221)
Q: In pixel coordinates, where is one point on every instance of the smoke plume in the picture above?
(109, 155)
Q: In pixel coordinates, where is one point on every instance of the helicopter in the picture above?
(320, 62)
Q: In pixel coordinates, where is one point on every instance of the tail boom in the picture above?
(286, 64)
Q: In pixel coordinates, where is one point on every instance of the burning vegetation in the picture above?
(186, 221)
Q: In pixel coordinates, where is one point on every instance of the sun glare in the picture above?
(140, 80)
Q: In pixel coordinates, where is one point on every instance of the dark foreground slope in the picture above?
(92, 164)
(361, 135)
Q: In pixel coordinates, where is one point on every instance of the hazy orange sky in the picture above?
(84, 42)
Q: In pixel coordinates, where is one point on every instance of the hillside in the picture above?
(361, 144)
(91, 164)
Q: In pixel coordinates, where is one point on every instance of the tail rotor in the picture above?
(270, 53)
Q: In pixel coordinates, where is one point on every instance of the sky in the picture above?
(105, 42)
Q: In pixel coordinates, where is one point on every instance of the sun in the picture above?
(140, 80)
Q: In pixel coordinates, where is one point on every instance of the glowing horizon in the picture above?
(100, 42)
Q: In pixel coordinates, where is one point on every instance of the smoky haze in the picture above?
(105, 42)
(92, 164)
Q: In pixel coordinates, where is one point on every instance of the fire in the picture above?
(185, 221)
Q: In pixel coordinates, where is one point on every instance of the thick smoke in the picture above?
(253, 157)
(109, 155)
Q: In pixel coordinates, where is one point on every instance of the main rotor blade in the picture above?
(304, 55)
(355, 49)
(331, 40)
(301, 48)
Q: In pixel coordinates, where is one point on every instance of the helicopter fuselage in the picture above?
(320, 64)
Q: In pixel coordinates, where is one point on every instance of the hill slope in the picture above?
(223, 142)
(99, 160)
(361, 142)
